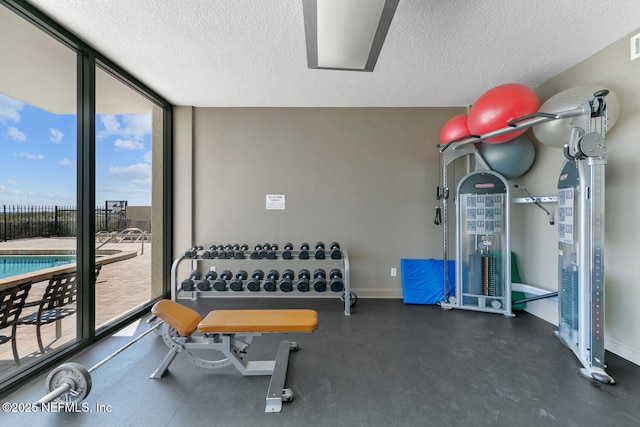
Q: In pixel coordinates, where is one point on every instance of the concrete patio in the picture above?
(121, 287)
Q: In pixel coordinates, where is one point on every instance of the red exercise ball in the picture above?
(498, 106)
(454, 129)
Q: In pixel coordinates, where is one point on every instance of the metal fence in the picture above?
(23, 222)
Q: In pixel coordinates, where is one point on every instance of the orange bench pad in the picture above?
(231, 321)
(181, 318)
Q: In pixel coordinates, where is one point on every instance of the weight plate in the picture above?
(73, 374)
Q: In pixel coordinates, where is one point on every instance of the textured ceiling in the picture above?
(218, 53)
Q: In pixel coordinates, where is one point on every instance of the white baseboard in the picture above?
(545, 310)
(548, 310)
(622, 350)
(377, 293)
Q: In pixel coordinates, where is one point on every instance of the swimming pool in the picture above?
(44, 272)
(13, 265)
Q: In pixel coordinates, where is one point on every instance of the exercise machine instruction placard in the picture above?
(484, 213)
(565, 215)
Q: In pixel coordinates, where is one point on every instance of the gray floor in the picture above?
(388, 364)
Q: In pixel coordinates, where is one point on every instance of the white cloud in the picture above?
(147, 157)
(29, 156)
(15, 134)
(11, 182)
(10, 109)
(130, 126)
(139, 174)
(64, 162)
(1, 187)
(55, 135)
(128, 144)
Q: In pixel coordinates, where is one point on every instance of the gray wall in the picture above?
(364, 177)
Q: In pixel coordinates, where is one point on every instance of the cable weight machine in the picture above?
(581, 196)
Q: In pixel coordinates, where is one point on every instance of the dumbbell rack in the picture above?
(346, 294)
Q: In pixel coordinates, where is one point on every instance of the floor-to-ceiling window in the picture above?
(38, 146)
(83, 175)
(129, 135)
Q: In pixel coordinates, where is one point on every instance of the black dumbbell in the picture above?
(286, 285)
(265, 250)
(304, 251)
(222, 253)
(304, 274)
(236, 284)
(238, 254)
(320, 280)
(192, 252)
(226, 275)
(256, 252)
(287, 251)
(189, 284)
(288, 274)
(207, 283)
(210, 253)
(273, 275)
(269, 284)
(336, 284)
(336, 253)
(272, 252)
(220, 284)
(303, 285)
(253, 284)
(319, 252)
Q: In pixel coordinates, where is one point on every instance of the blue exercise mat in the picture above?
(423, 280)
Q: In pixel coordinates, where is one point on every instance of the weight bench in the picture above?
(230, 332)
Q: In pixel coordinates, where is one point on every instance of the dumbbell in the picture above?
(192, 252)
(230, 251)
(304, 251)
(303, 280)
(207, 283)
(336, 253)
(287, 251)
(222, 252)
(319, 252)
(236, 284)
(336, 284)
(272, 252)
(320, 280)
(269, 284)
(210, 253)
(256, 252)
(254, 283)
(286, 284)
(239, 253)
(190, 283)
(220, 284)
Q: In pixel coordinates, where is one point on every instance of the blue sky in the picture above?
(38, 157)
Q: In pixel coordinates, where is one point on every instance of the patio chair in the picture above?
(134, 234)
(58, 302)
(12, 301)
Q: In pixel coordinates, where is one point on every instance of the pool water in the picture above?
(13, 265)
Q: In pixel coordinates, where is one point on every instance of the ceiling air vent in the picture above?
(635, 47)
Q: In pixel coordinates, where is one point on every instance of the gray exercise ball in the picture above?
(510, 159)
(556, 133)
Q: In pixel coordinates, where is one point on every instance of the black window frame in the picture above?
(87, 60)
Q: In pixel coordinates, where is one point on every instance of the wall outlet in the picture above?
(394, 272)
(212, 268)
